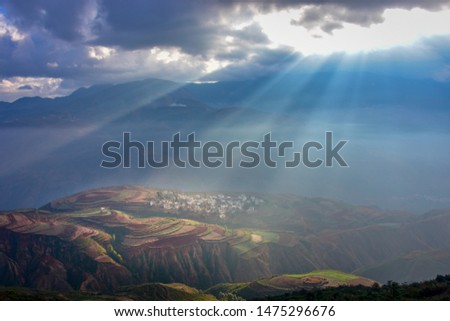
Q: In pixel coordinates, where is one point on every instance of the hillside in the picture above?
(436, 289)
(287, 283)
(101, 240)
(302, 215)
(147, 291)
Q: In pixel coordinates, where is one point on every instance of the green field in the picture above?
(329, 274)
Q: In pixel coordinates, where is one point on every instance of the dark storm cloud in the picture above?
(251, 34)
(64, 19)
(21, 58)
(243, 43)
(51, 42)
(38, 54)
(329, 15)
(377, 6)
(194, 26)
(199, 26)
(328, 27)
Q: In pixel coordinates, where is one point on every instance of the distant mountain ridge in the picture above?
(290, 93)
(102, 101)
(330, 90)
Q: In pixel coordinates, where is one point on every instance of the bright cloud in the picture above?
(7, 29)
(100, 52)
(16, 87)
(399, 28)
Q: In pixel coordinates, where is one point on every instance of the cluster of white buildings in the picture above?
(206, 204)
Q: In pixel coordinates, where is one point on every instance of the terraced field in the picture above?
(99, 225)
(108, 238)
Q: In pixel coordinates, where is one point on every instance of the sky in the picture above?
(52, 47)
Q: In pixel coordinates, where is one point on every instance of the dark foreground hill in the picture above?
(147, 291)
(437, 289)
(287, 283)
